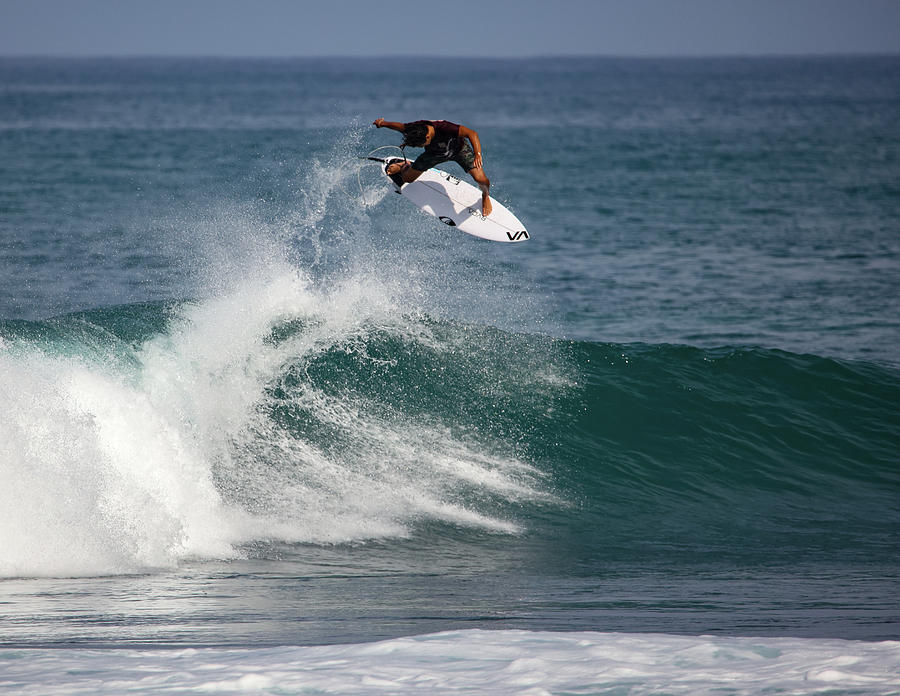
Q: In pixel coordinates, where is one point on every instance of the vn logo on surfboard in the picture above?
(521, 234)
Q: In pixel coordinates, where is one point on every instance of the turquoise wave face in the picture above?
(301, 428)
(736, 452)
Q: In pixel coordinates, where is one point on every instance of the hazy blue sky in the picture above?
(448, 27)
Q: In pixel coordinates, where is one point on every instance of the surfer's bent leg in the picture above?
(465, 158)
(484, 184)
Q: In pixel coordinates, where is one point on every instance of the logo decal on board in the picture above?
(521, 234)
(447, 221)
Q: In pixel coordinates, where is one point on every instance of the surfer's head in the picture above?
(416, 134)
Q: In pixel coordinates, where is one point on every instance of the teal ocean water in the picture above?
(254, 405)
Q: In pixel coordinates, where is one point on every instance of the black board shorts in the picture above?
(465, 158)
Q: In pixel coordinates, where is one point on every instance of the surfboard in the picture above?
(457, 204)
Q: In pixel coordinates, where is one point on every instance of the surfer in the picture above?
(443, 141)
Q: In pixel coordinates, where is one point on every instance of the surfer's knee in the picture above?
(480, 178)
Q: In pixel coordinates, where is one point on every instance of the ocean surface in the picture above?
(266, 428)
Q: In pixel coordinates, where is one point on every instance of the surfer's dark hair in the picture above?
(414, 134)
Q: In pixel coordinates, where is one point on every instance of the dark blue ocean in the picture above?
(267, 428)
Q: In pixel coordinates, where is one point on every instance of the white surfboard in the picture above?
(458, 204)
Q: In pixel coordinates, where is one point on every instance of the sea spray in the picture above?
(219, 430)
(319, 465)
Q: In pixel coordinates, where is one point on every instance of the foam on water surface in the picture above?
(474, 661)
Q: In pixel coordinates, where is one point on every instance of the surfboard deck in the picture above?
(457, 204)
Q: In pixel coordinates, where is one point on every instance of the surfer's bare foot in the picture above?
(486, 206)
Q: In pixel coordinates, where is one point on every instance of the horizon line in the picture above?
(437, 56)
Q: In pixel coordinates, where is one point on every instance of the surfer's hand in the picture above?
(479, 163)
(396, 168)
(378, 122)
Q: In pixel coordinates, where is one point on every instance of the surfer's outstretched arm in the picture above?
(393, 125)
